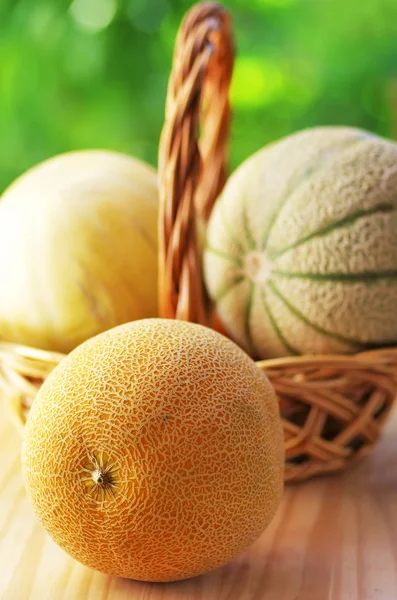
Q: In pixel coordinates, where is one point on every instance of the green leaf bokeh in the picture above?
(93, 73)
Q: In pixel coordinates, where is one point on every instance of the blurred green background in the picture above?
(93, 73)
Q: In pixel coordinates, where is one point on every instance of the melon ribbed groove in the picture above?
(248, 308)
(230, 232)
(248, 233)
(320, 163)
(345, 222)
(348, 278)
(291, 349)
(225, 255)
(302, 317)
(229, 287)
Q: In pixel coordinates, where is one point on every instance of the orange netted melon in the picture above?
(154, 451)
(78, 248)
(301, 252)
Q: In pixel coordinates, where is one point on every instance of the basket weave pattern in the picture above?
(333, 407)
(192, 171)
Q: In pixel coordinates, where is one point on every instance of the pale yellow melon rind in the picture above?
(78, 248)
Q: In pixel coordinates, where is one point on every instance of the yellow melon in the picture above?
(78, 249)
(301, 252)
(154, 451)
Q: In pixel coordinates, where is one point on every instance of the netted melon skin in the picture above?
(191, 429)
(301, 253)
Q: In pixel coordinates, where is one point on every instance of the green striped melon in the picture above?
(301, 251)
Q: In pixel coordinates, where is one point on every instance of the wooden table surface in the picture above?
(334, 538)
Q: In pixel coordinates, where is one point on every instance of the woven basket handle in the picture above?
(192, 155)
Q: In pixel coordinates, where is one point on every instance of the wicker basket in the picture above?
(333, 407)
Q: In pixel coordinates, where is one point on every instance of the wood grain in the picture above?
(334, 538)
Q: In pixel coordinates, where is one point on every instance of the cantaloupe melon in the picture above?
(301, 252)
(155, 451)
